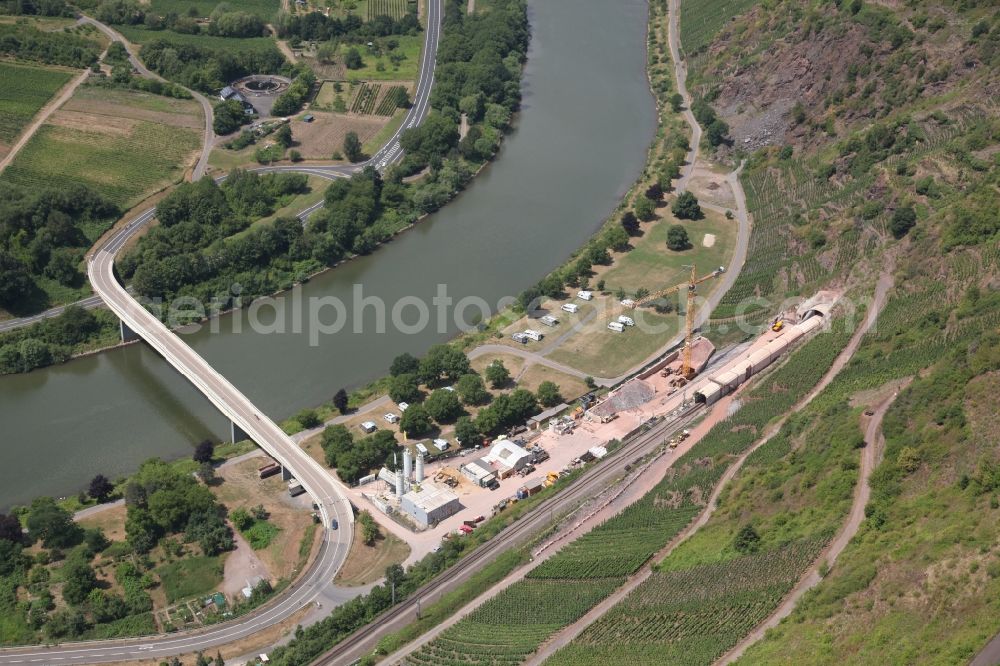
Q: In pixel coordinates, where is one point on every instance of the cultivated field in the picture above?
(700, 21)
(126, 147)
(510, 626)
(26, 90)
(397, 9)
(265, 9)
(688, 617)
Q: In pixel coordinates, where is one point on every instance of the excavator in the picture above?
(691, 285)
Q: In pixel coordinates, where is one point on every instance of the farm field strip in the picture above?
(125, 168)
(396, 9)
(581, 574)
(678, 615)
(364, 101)
(26, 90)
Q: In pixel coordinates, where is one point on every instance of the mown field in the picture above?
(26, 90)
(406, 70)
(122, 156)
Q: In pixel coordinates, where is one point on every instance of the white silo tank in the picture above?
(420, 468)
(399, 484)
(407, 464)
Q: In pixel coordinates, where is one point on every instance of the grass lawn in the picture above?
(570, 387)
(409, 46)
(124, 158)
(191, 576)
(26, 90)
(650, 264)
(374, 143)
(367, 564)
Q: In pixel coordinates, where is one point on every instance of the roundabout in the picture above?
(261, 90)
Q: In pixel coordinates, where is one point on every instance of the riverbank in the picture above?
(126, 405)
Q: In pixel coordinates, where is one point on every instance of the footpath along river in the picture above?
(580, 142)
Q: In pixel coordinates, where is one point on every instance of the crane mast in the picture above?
(691, 285)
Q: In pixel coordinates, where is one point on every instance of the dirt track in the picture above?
(43, 115)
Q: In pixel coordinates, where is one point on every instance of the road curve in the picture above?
(316, 583)
(389, 153)
(209, 136)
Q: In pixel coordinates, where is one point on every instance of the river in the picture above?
(580, 142)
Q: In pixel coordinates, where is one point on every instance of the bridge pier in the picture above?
(236, 433)
(128, 335)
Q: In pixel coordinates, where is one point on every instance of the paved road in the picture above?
(206, 106)
(316, 585)
(363, 641)
(390, 152)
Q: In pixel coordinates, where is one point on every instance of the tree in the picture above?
(467, 433)
(369, 528)
(100, 488)
(443, 406)
(241, 519)
(284, 135)
(443, 360)
(404, 388)
(677, 238)
(415, 421)
(15, 280)
(686, 207)
(10, 529)
(352, 59)
(352, 147)
(471, 390)
(52, 524)
(717, 132)
(747, 540)
(79, 580)
(903, 219)
(548, 394)
(204, 451)
(654, 192)
(340, 401)
(404, 364)
(228, 117)
(497, 374)
(630, 223)
(645, 209)
(616, 238)
(308, 418)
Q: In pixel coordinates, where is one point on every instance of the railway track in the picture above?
(363, 641)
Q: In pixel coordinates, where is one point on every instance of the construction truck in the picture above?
(778, 324)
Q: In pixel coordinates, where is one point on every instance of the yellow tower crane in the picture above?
(692, 289)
